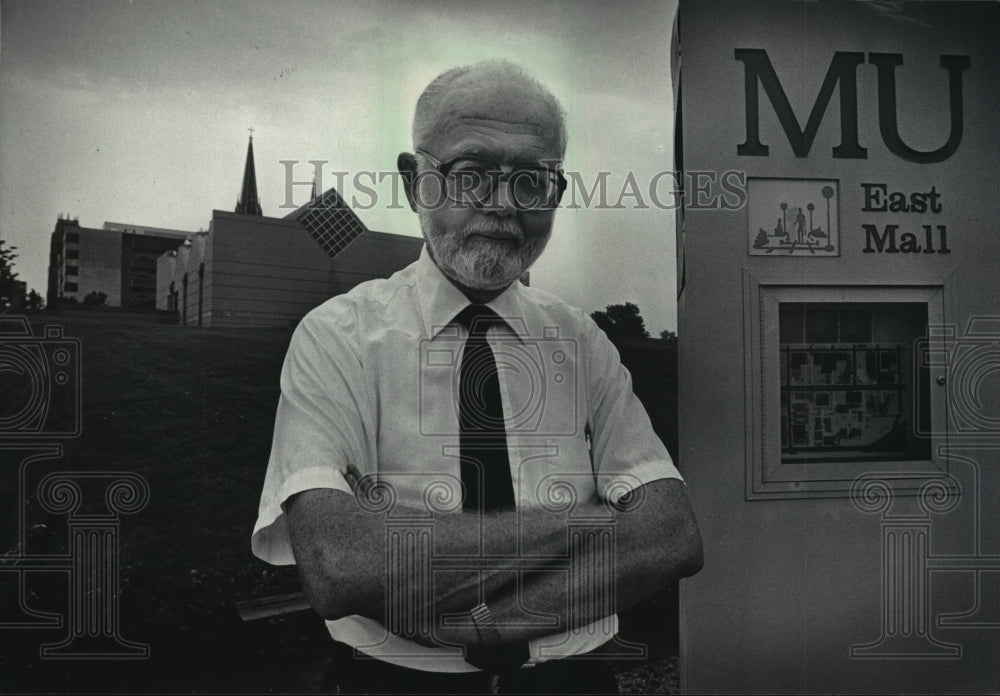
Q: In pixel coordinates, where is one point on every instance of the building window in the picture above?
(155, 251)
(69, 287)
(146, 262)
(72, 254)
(72, 270)
(72, 237)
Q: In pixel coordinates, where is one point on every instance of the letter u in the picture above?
(888, 123)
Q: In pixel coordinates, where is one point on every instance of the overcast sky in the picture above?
(138, 112)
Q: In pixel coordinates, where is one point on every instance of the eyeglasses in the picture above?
(471, 180)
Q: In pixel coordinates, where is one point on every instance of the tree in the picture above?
(9, 287)
(669, 336)
(621, 320)
(95, 297)
(12, 290)
(34, 301)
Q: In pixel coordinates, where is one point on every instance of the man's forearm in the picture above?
(515, 561)
(610, 568)
(354, 560)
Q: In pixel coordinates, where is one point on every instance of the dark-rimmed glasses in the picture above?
(471, 180)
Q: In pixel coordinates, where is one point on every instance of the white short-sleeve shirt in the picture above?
(369, 386)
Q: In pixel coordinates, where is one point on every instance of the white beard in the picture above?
(480, 263)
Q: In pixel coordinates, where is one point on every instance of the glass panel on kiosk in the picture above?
(849, 388)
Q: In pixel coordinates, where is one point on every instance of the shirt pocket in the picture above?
(554, 472)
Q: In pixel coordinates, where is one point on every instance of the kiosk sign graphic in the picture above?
(792, 217)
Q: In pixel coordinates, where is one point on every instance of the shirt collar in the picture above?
(440, 300)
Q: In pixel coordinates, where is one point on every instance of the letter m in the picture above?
(885, 242)
(843, 69)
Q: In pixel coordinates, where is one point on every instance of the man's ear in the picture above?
(407, 165)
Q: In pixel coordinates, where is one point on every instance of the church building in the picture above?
(252, 270)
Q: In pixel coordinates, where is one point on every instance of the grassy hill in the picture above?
(191, 411)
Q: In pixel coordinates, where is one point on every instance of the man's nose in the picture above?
(501, 200)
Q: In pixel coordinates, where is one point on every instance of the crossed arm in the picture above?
(340, 548)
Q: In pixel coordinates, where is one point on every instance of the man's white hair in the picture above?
(429, 104)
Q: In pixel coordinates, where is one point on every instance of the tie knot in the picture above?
(477, 319)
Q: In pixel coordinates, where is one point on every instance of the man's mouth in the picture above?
(496, 231)
(496, 236)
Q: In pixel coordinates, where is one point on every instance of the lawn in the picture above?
(191, 411)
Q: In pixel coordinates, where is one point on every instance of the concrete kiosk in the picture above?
(839, 325)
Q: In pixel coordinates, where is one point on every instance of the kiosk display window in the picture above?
(849, 387)
(839, 385)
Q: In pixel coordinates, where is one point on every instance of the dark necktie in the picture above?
(483, 445)
(482, 431)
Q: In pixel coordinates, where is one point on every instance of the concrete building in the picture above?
(118, 260)
(252, 270)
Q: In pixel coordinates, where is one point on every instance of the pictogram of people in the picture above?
(792, 231)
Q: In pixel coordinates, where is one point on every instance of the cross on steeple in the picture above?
(251, 132)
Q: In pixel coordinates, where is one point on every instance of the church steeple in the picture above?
(248, 204)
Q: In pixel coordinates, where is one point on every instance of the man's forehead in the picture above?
(504, 115)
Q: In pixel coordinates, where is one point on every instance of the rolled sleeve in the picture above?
(321, 429)
(627, 453)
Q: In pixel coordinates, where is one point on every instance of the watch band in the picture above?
(491, 655)
(486, 625)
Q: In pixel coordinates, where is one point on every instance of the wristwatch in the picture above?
(491, 655)
(486, 625)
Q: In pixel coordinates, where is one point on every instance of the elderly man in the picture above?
(460, 469)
